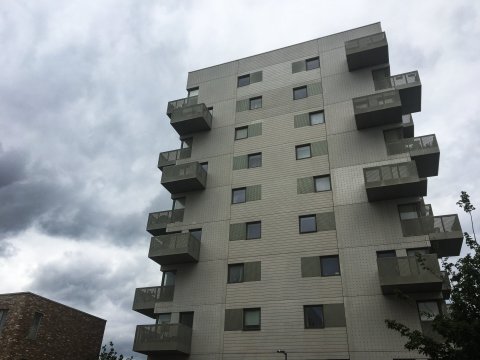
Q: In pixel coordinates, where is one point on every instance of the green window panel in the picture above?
(254, 192)
(252, 271)
(305, 185)
(334, 315)
(240, 162)
(255, 129)
(243, 105)
(319, 148)
(314, 89)
(310, 266)
(326, 221)
(233, 319)
(238, 231)
(301, 120)
(298, 66)
(256, 77)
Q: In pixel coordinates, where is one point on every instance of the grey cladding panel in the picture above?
(311, 266)
(319, 148)
(256, 77)
(233, 319)
(334, 315)
(298, 66)
(301, 120)
(240, 162)
(255, 129)
(314, 89)
(254, 192)
(305, 185)
(238, 231)
(242, 105)
(326, 221)
(253, 271)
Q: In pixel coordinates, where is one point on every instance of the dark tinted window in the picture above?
(186, 318)
(322, 183)
(313, 315)
(317, 118)
(300, 93)
(330, 265)
(235, 273)
(168, 278)
(303, 151)
(255, 103)
(254, 230)
(32, 333)
(239, 195)
(308, 223)
(241, 133)
(243, 80)
(204, 166)
(313, 63)
(196, 233)
(408, 211)
(254, 160)
(251, 319)
(164, 318)
(387, 253)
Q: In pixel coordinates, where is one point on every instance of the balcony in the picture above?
(394, 181)
(163, 339)
(184, 178)
(168, 158)
(423, 149)
(180, 103)
(191, 119)
(145, 298)
(409, 88)
(377, 109)
(406, 274)
(422, 225)
(174, 249)
(447, 236)
(446, 286)
(367, 51)
(158, 221)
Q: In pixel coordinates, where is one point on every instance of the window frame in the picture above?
(237, 130)
(165, 277)
(314, 216)
(244, 189)
(35, 327)
(254, 100)
(297, 147)
(193, 90)
(307, 61)
(439, 308)
(315, 113)
(157, 321)
(252, 327)
(315, 178)
(185, 313)
(3, 318)
(386, 254)
(253, 223)
(242, 275)
(204, 166)
(417, 210)
(194, 231)
(250, 156)
(337, 257)
(305, 323)
(242, 77)
(299, 88)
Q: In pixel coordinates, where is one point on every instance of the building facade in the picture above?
(35, 328)
(298, 213)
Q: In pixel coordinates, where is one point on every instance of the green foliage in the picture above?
(460, 327)
(111, 354)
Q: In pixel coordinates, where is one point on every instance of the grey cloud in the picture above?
(12, 167)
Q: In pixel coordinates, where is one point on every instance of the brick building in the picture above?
(33, 327)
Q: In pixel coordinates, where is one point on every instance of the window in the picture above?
(32, 333)
(186, 143)
(330, 265)
(196, 233)
(313, 316)
(322, 183)
(168, 278)
(254, 230)
(192, 92)
(235, 273)
(239, 195)
(313, 63)
(241, 133)
(178, 203)
(254, 160)
(3, 318)
(387, 253)
(186, 318)
(300, 93)
(307, 223)
(255, 103)
(164, 318)
(303, 151)
(393, 135)
(204, 166)
(251, 319)
(428, 310)
(316, 118)
(210, 110)
(243, 80)
(408, 211)
(419, 251)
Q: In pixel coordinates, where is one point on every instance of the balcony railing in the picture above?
(177, 104)
(394, 181)
(409, 87)
(184, 178)
(158, 221)
(422, 225)
(377, 109)
(163, 339)
(174, 249)
(145, 298)
(367, 51)
(409, 274)
(191, 119)
(447, 236)
(423, 149)
(168, 158)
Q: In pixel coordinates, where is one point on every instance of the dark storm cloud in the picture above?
(12, 166)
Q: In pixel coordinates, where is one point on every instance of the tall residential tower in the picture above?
(298, 210)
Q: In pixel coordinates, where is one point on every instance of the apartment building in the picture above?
(35, 328)
(297, 210)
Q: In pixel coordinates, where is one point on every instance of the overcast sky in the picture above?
(83, 91)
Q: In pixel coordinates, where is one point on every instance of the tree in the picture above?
(460, 326)
(111, 354)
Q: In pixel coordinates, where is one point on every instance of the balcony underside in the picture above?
(183, 185)
(174, 249)
(146, 298)
(402, 188)
(447, 243)
(191, 119)
(427, 161)
(379, 117)
(184, 178)
(411, 97)
(367, 51)
(158, 221)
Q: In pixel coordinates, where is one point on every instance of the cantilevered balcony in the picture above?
(423, 149)
(158, 221)
(422, 225)
(184, 178)
(177, 104)
(168, 158)
(447, 236)
(378, 109)
(163, 339)
(394, 181)
(367, 51)
(409, 275)
(145, 298)
(174, 249)
(191, 119)
(409, 88)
